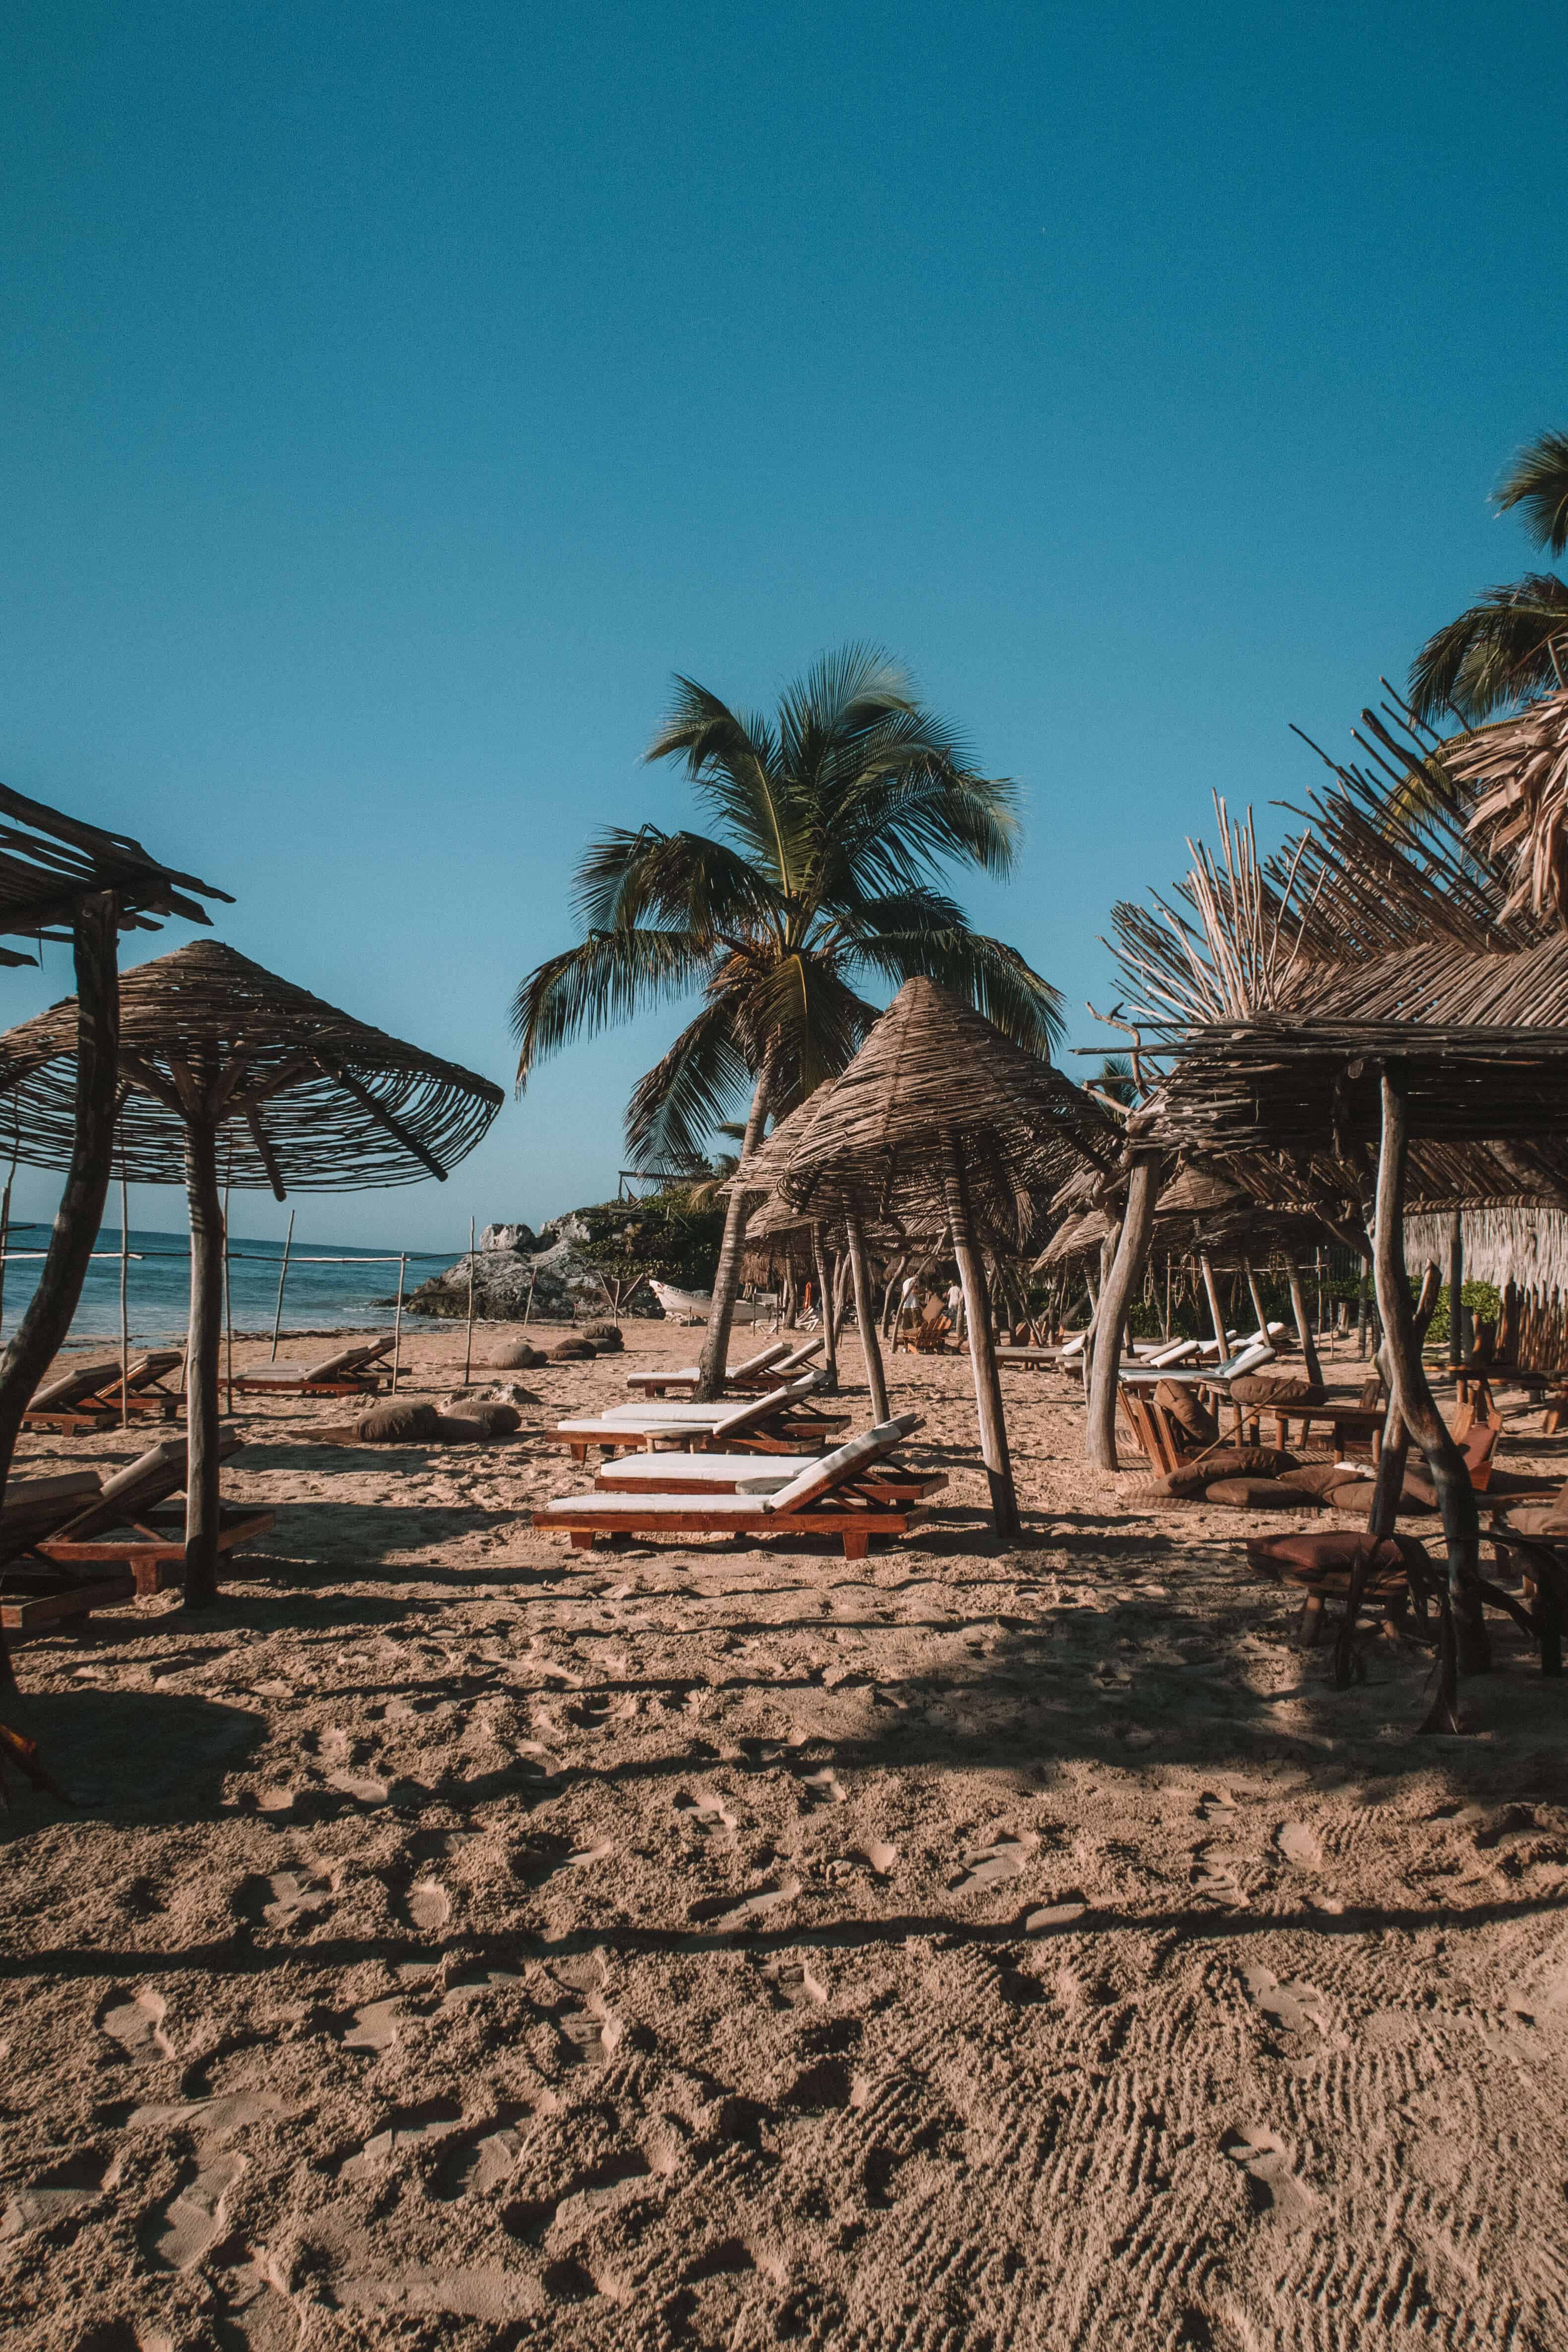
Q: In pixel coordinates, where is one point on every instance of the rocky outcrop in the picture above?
(513, 1265)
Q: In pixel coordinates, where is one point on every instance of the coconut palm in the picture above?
(1511, 645)
(833, 819)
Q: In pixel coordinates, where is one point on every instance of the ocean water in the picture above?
(317, 1297)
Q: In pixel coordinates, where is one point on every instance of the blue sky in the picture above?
(396, 396)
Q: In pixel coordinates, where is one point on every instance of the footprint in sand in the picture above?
(822, 1788)
(468, 1983)
(1214, 1806)
(1298, 1845)
(1299, 2008)
(1051, 1919)
(216, 2118)
(877, 1856)
(705, 1812)
(480, 2162)
(794, 1984)
(591, 2034)
(1264, 2158)
(426, 1907)
(375, 2026)
(727, 1917)
(135, 2019)
(992, 1865)
(65, 2188)
(192, 2220)
(406, 2128)
(1215, 1877)
(288, 1898)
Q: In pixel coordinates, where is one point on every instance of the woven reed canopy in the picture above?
(1517, 770)
(49, 862)
(933, 1067)
(306, 1098)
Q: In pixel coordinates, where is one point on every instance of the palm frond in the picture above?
(628, 879)
(1511, 645)
(688, 1093)
(1538, 481)
(608, 977)
(993, 978)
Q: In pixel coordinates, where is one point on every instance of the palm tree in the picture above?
(1511, 645)
(833, 819)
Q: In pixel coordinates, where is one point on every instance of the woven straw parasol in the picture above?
(218, 1056)
(938, 1112)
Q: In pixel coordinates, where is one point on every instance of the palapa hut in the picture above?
(229, 1074)
(61, 879)
(940, 1118)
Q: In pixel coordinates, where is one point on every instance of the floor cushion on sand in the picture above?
(1187, 1411)
(1229, 1462)
(1546, 1521)
(1279, 1389)
(460, 1429)
(1328, 1558)
(1257, 1495)
(1325, 1478)
(396, 1424)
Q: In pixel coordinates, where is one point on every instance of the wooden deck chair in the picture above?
(76, 1400)
(352, 1371)
(146, 1385)
(776, 1422)
(139, 1497)
(772, 1367)
(826, 1497)
(36, 1593)
(929, 1337)
(729, 1474)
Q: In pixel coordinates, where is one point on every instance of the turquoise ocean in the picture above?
(318, 1296)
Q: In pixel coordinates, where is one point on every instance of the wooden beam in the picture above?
(269, 1158)
(982, 1354)
(394, 1127)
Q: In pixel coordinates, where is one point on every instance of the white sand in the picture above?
(466, 1942)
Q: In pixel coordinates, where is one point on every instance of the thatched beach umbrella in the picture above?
(223, 1062)
(940, 1118)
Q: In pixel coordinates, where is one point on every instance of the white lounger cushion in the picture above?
(714, 1508)
(329, 1367)
(1176, 1353)
(758, 1363)
(725, 1410)
(748, 1472)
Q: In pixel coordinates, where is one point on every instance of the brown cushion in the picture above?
(1156, 1495)
(1257, 1495)
(494, 1420)
(1548, 1520)
(397, 1424)
(1229, 1462)
(1325, 1478)
(1327, 1558)
(457, 1428)
(521, 1357)
(1188, 1410)
(605, 1337)
(1261, 1387)
(573, 1351)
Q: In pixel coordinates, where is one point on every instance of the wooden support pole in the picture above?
(397, 1320)
(1121, 1287)
(282, 1278)
(228, 1317)
(1304, 1333)
(982, 1354)
(124, 1313)
(825, 1303)
(468, 1342)
(201, 1366)
(47, 1318)
(1215, 1312)
(1456, 1290)
(1417, 1407)
(1258, 1308)
(866, 1314)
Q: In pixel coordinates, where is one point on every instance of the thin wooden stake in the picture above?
(124, 1320)
(1217, 1313)
(468, 1347)
(282, 1278)
(228, 1314)
(6, 1238)
(397, 1324)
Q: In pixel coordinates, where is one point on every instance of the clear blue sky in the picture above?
(395, 396)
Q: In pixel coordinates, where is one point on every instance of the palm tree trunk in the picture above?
(1417, 1407)
(1121, 1283)
(715, 1355)
(201, 1366)
(44, 1327)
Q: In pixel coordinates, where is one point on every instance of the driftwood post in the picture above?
(825, 1303)
(1121, 1285)
(397, 1320)
(1304, 1332)
(982, 1354)
(866, 1314)
(207, 1252)
(124, 1317)
(1456, 1290)
(49, 1313)
(1407, 1381)
(468, 1342)
(1258, 1308)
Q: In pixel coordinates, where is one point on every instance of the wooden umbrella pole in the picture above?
(1167, 1294)
(1121, 1285)
(982, 1354)
(1304, 1332)
(1417, 1407)
(202, 1361)
(397, 1320)
(282, 1278)
(1217, 1313)
(6, 1237)
(468, 1343)
(866, 1314)
(1456, 1290)
(228, 1315)
(1258, 1308)
(124, 1317)
(825, 1303)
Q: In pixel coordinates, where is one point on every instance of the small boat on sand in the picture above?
(695, 1305)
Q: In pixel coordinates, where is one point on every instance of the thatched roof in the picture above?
(1529, 1246)
(308, 1099)
(1517, 772)
(48, 862)
(932, 1067)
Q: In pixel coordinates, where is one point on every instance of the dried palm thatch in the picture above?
(1525, 1247)
(49, 863)
(1517, 770)
(308, 1099)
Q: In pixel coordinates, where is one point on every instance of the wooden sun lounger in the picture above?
(777, 1421)
(774, 1368)
(139, 1497)
(352, 1371)
(146, 1385)
(76, 1400)
(826, 1497)
(750, 1474)
(35, 1592)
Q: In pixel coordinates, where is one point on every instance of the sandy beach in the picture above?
(463, 1941)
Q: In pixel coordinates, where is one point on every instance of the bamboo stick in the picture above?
(124, 1317)
(397, 1321)
(468, 1344)
(282, 1278)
